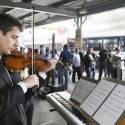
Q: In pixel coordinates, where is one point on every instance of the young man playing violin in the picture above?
(12, 90)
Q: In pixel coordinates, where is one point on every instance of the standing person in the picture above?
(12, 89)
(89, 61)
(119, 65)
(42, 50)
(76, 65)
(47, 53)
(109, 63)
(22, 50)
(65, 61)
(81, 53)
(102, 62)
(56, 54)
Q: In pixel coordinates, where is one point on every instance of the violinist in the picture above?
(12, 89)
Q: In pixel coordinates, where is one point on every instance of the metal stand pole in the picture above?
(119, 72)
(53, 56)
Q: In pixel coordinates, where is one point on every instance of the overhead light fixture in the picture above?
(15, 1)
(11, 11)
(27, 1)
(83, 11)
(24, 1)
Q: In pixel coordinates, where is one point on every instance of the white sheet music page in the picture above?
(82, 90)
(112, 108)
(97, 96)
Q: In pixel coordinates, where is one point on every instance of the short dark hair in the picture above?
(117, 48)
(76, 50)
(7, 22)
(65, 46)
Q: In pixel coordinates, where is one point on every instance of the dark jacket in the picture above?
(87, 61)
(11, 99)
(66, 57)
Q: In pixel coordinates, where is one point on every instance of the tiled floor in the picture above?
(42, 115)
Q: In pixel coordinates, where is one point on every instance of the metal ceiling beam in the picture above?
(60, 3)
(26, 15)
(95, 2)
(105, 6)
(39, 8)
(51, 20)
(48, 21)
(6, 10)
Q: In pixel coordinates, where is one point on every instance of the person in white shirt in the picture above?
(119, 65)
(76, 66)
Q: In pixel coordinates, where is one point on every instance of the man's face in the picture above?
(118, 51)
(9, 41)
(90, 50)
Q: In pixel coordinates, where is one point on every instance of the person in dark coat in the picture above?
(102, 62)
(12, 89)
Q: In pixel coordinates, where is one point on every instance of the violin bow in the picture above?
(33, 57)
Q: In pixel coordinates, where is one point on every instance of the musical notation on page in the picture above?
(82, 90)
(113, 107)
(97, 96)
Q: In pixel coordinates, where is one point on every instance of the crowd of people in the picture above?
(89, 62)
(106, 63)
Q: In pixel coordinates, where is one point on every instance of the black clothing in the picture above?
(16, 108)
(88, 61)
(81, 61)
(11, 99)
(28, 104)
(103, 54)
(78, 70)
(90, 65)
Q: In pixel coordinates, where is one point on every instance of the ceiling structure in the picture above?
(48, 11)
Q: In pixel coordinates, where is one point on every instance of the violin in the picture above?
(18, 62)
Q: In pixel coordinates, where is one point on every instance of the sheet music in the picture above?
(112, 108)
(82, 90)
(95, 99)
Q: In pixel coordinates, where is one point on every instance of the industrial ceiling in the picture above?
(48, 11)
